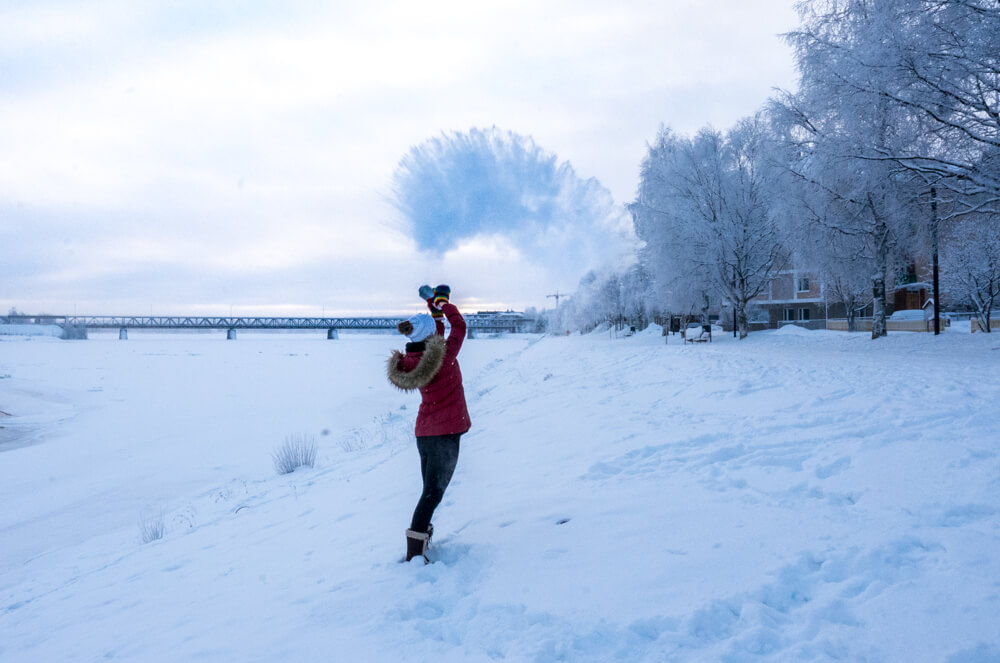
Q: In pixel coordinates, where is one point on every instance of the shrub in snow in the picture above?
(355, 440)
(296, 451)
(151, 527)
(391, 428)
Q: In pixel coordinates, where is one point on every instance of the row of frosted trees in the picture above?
(888, 153)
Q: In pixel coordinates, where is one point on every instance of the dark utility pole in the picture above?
(934, 261)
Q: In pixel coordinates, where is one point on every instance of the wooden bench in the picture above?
(704, 335)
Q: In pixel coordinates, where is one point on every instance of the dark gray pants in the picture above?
(438, 457)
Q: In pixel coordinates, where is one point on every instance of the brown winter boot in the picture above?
(416, 545)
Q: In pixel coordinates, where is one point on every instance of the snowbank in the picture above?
(773, 499)
(792, 330)
(653, 330)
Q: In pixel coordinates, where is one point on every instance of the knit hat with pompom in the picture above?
(417, 328)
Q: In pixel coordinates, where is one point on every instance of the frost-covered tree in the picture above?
(584, 310)
(609, 299)
(942, 58)
(637, 284)
(837, 128)
(705, 211)
(841, 259)
(971, 265)
(849, 288)
(860, 216)
(664, 226)
(610, 296)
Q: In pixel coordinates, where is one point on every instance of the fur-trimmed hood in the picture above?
(426, 370)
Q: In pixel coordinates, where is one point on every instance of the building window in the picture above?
(802, 284)
(795, 315)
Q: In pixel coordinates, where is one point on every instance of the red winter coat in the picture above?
(432, 367)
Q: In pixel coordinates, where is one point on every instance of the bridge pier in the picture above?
(230, 334)
(470, 333)
(123, 334)
(332, 335)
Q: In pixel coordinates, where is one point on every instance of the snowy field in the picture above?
(797, 496)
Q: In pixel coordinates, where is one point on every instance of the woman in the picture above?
(431, 365)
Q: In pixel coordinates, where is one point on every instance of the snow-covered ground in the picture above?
(795, 496)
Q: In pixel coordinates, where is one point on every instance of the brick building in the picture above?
(794, 297)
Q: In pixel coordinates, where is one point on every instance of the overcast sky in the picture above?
(201, 157)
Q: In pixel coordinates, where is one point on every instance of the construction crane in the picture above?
(557, 295)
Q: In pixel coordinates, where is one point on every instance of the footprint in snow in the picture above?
(965, 514)
(834, 468)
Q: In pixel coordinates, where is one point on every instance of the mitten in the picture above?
(435, 312)
(441, 295)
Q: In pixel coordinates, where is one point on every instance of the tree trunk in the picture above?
(991, 300)
(852, 316)
(741, 319)
(982, 321)
(878, 293)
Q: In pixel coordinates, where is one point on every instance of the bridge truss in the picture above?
(485, 323)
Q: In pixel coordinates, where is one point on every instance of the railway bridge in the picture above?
(485, 322)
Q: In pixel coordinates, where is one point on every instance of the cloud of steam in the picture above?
(498, 186)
